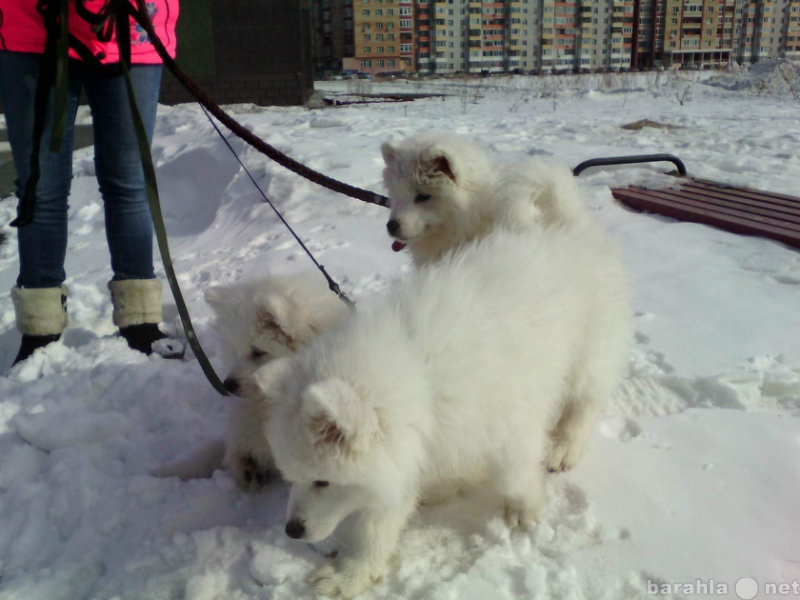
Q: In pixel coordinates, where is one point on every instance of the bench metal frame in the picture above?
(739, 210)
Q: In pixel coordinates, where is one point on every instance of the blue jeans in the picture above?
(129, 230)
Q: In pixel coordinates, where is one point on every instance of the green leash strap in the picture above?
(155, 209)
(62, 64)
(163, 244)
(54, 75)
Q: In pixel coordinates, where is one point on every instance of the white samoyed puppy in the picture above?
(457, 375)
(258, 320)
(444, 191)
(273, 316)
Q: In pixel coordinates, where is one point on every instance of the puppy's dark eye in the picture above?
(321, 484)
(257, 353)
(422, 197)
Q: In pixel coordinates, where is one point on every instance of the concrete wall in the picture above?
(255, 51)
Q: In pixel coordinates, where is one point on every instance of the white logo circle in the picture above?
(747, 588)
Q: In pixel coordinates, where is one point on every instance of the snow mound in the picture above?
(772, 78)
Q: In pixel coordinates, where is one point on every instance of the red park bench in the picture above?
(737, 209)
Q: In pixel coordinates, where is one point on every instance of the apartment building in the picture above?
(421, 35)
(442, 35)
(558, 36)
(332, 39)
(697, 32)
(524, 36)
(762, 27)
(407, 45)
(383, 38)
(648, 33)
(791, 37)
(488, 46)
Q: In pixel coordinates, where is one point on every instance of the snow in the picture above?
(692, 480)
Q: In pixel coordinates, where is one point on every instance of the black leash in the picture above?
(243, 133)
(115, 16)
(334, 287)
(141, 17)
(53, 74)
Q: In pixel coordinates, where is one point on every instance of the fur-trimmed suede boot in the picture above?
(41, 317)
(137, 313)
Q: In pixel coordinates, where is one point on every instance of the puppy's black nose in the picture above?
(393, 226)
(231, 384)
(295, 529)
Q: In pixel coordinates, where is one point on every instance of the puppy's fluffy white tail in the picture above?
(199, 464)
(541, 191)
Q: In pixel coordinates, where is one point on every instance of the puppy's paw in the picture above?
(524, 511)
(562, 456)
(521, 518)
(349, 580)
(249, 474)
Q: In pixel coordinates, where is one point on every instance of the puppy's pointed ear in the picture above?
(217, 296)
(221, 297)
(389, 153)
(267, 382)
(274, 317)
(337, 417)
(437, 162)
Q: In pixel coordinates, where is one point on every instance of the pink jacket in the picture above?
(22, 30)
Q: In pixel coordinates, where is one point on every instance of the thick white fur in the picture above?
(445, 191)
(260, 320)
(271, 317)
(457, 374)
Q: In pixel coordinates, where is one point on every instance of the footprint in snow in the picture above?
(620, 428)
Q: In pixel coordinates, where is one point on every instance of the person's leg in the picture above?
(42, 243)
(135, 291)
(39, 297)
(129, 230)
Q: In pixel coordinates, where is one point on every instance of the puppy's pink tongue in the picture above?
(397, 245)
